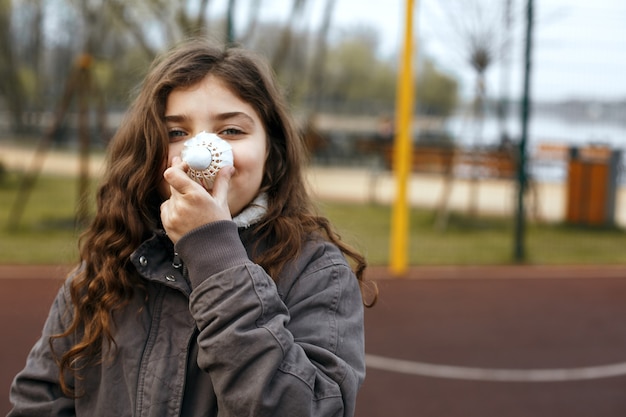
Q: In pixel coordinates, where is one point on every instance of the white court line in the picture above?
(498, 375)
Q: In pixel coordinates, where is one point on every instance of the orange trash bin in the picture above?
(592, 185)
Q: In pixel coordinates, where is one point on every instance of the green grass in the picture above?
(46, 233)
(474, 241)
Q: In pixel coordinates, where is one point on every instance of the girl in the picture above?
(233, 302)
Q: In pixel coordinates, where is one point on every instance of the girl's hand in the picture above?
(190, 205)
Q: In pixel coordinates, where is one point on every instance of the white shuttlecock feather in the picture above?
(206, 153)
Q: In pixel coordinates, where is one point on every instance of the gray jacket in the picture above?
(216, 337)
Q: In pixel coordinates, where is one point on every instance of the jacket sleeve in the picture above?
(36, 391)
(267, 357)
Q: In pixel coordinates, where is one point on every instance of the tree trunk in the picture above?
(284, 45)
(10, 86)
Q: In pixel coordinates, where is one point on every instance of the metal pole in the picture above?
(520, 255)
(505, 76)
(402, 151)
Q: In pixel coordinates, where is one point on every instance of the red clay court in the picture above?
(444, 341)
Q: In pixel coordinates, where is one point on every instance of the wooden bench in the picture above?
(492, 163)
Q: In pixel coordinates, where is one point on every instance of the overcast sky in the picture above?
(580, 45)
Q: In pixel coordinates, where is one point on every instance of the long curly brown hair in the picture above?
(128, 199)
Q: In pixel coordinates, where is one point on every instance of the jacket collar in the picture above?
(253, 213)
(155, 261)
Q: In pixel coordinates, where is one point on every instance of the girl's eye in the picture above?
(231, 132)
(176, 134)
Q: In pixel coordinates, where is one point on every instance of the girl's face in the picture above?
(210, 106)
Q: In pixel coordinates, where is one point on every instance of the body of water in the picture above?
(542, 130)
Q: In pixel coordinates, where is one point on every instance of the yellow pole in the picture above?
(402, 151)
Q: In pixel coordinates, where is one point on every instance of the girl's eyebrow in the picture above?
(176, 118)
(221, 117)
(234, 115)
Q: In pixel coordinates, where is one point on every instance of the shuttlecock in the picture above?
(205, 154)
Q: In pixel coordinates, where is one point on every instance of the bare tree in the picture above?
(313, 139)
(172, 20)
(283, 48)
(319, 59)
(253, 21)
(477, 26)
(11, 88)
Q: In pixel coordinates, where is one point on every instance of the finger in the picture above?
(222, 183)
(178, 179)
(165, 214)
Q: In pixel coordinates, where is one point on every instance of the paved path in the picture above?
(358, 184)
(443, 322)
